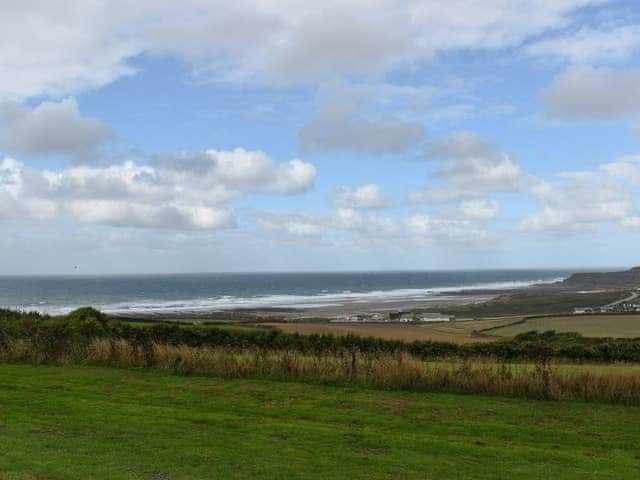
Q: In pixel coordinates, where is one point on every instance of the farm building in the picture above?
(582, 310)
(434, 317)
(406, 317)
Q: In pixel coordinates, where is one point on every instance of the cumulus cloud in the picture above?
(348, 226)
(362, 197)
(51, 128)
(480, 210)
(469, 167)
(54, 48)
(171, 216)
(588, 45)
(291, 224)
(445, 229)
(239, 169)
(14, 198)
(172, 192)
(343, 124)
(586, 93)
(582, 201)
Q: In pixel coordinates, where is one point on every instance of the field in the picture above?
(458, 332)
(534, 302)
(616, 326)
(97, 423)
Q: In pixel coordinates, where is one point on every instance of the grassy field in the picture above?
(617, 326)
(458, 332)
(95, 423)
(534, 302)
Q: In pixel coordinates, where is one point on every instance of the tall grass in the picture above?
(542, 380)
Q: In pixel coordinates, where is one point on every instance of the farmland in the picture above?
(458, 332)
(616, 326)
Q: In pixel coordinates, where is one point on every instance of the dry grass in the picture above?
(456, 332)
(388, 371)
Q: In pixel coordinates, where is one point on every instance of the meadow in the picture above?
(70, 422)
(459, 332)
(87, 396)
(615, 326)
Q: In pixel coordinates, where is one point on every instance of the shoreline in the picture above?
(318, 312)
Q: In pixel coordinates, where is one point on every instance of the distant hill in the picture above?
(597, 280)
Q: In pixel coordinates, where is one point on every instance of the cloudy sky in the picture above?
(163, 136)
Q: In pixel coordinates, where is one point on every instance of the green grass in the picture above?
(231, 326)
(616, 326)
(95, 423)
(534, 302)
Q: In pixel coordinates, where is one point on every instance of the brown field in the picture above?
(617, 326)
(457, 332)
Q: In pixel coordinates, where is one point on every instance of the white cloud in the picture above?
(54, 48)
(171, 216)
(373, 226)
(362, 197)
(582, 201)
(51, 128)
(445, 229)
(347, 226)
(173, 192)
(585, 93)
(291, 224)
(239, 169)
(14, 200)
(480, 210)
(469, 167)
(588, 45)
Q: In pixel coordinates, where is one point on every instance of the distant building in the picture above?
(582, 310)
(407, 317)
(434, 317)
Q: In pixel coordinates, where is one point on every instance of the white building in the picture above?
(582, 310)
(434, 317)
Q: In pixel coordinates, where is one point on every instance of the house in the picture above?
(434, 317)
(582, 310)
(407, 317)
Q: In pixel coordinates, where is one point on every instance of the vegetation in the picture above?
(53, 336)
(610, 325)
(535, 302)
(454, 332)
(386, 371)
(96, 423)
(87, 337)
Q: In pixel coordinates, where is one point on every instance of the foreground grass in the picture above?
(397, 371)
(616, 326)
(93, 423)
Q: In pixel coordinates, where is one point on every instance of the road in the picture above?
(631, 297)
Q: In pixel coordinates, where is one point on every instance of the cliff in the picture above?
(600, 280)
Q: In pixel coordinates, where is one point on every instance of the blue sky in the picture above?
(280, 135)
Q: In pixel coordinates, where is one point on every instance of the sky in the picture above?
(198, 136)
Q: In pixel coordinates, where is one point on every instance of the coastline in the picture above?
(319, 312)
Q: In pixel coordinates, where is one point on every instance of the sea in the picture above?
(210, 292)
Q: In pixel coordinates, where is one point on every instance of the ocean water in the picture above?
(224, 291)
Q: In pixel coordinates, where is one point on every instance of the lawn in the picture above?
(95, 423)
(616, 326)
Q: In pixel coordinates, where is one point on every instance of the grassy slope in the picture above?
(533, 302)
(618, 326)
(81, 422)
